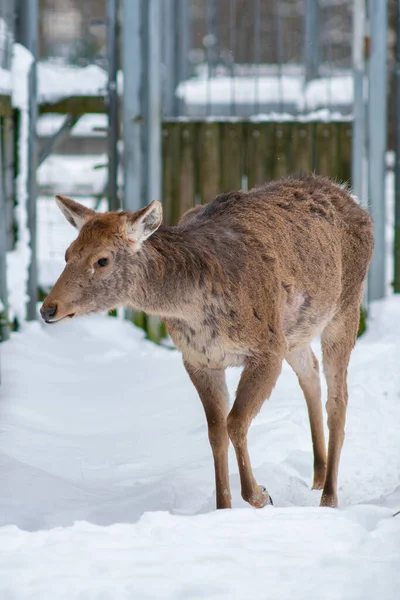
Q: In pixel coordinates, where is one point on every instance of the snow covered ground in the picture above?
(107, 478)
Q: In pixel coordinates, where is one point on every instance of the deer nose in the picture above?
(49, 313)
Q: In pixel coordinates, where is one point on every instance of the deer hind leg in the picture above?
(211, 387)
(305, 364)
(256, 384)
(338, 339)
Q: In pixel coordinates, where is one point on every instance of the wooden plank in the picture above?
(9, 179)
(75, 105)
(167, 163)
(5, 106)
(232, 156)
(344, 134)
(282, 137)
(171, 173)
(326, 149)
(259, 142)
(208, 161)
(186, 194)
(301, 148)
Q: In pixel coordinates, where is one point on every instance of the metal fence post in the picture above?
(28, 36)
(397, 163)
(152, 101)
(311, 39)
(170, 103)
(112, 100)
(132, 61)
(142, 114)
(4, 327)
(377, 112)
(358, 137)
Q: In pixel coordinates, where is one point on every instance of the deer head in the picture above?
(99, 260)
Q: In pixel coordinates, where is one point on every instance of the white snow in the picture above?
(328, 91)
(57, 81)
(290, 90)
(18, 260)
(107, 477)
(5, 82)
(73, 174)
(266, 87)
(240, 89)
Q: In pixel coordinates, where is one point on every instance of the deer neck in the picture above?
(167, 273)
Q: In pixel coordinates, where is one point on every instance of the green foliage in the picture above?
(154, 327)
(362, 327)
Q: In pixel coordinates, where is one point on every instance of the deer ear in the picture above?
(75, 213)
(143, 223)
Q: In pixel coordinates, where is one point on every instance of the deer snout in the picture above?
(48, 312)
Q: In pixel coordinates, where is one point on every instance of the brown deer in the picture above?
(247, 280)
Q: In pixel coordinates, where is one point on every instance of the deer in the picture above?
(247, 280)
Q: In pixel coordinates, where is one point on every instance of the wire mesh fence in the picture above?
(73, 32)
(242, 58)
(72, 63)
(6, 34)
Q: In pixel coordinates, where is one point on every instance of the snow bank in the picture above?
(304, 554)
(108, 488)
(18, 260)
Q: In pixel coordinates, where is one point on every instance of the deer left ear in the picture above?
(143, 223)
(75, 213)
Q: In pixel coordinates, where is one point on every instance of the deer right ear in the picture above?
(75, 213)
(143, 223)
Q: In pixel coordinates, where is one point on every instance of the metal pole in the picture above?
(112, 137)
(377, 117)
(28, 36)
(397, 163)
(152, 99)
(311, 39)
(132, 61)
(169, 79)
(151, 141)
(4, 327)
(358, 138)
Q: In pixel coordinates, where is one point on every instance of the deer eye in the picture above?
(102, 262)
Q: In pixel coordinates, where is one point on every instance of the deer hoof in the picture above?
(259, 499)
(269, 503)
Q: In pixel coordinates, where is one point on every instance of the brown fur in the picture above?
(247, 280)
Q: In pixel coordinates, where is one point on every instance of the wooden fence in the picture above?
(202, 159)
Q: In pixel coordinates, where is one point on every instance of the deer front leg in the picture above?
(256, 384)
(211, 387)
